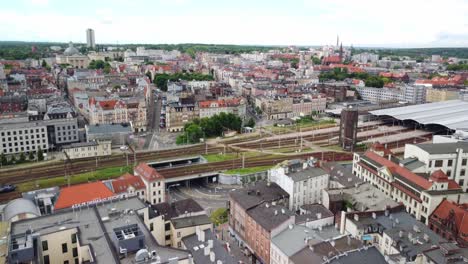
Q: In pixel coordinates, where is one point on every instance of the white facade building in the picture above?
(302, 182)
(451, 158)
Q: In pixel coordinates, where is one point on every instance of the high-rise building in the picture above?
(90, 41)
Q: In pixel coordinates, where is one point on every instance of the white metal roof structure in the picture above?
(452, 114)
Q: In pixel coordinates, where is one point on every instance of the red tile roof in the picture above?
(416, 179)
(121, 184)
(405, 173)
(82, 193)
(147, 172)
(108, 105)
(220, 103)
(460, 210)
(439, 176)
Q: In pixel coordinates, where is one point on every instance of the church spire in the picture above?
(341, 51)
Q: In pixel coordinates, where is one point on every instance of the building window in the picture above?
(167, 226)
(461, 182)
(77, 261)
(462, 172)
(439, 163)
(64, 248)
(45, 245)
(450, 163)
(75, 252)
(168, 237)
(66, 262)
(464, 161)
(179, 244)
(151, 227)
(449, 173)
(178, 234)
(46, 259)
(73, 238)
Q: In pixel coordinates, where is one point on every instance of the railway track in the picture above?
(89, 165)
(249, 162)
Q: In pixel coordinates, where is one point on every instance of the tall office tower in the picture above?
(91, 43)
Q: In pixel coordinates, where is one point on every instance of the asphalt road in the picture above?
(204, 195)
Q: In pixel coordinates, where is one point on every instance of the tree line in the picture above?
(161, 79)
(213, 126)
(22, 158)
(340, 74)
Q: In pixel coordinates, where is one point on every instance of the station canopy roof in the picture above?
(452, 114)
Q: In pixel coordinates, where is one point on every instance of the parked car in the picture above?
(123, 148)
(7, 188)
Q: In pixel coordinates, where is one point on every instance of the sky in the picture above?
(369, 23)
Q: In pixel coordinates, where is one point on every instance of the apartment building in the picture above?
(87, 149)
(301, 180)
(275, 108)
(101, 233)
(128, 185)
(169, 223)
(450, 220)
(116, 111)
(178, 114)
(451, 158)
(257, 213)
(209, 108)
(154, 182)
(394, 233)
(420, 193)
(414, 94)
(307, 106)
(439, 95)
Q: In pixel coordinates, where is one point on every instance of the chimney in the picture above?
(356, 217)
(206, 251)
(212, 256)
(197, 232)
(201, 237)
(283, 211)
(319, 215)
(374, 215)
(276, 212)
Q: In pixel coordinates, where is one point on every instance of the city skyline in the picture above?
(304, 23)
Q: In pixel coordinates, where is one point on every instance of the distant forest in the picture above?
(11, 50)
(418, 52)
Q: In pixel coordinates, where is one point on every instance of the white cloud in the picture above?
(358, 22)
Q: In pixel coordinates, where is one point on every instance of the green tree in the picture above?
(31, 156)
(13, 159)
(44, 64)
(250, 123)
(316, 60)
(22, 158)
(3, 159)
(40, 155)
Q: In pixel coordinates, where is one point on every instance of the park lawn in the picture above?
(229, 156)
(219, 157)
(243, 171)
(98, 175)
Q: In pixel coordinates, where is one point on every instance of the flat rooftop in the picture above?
(95, 224)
